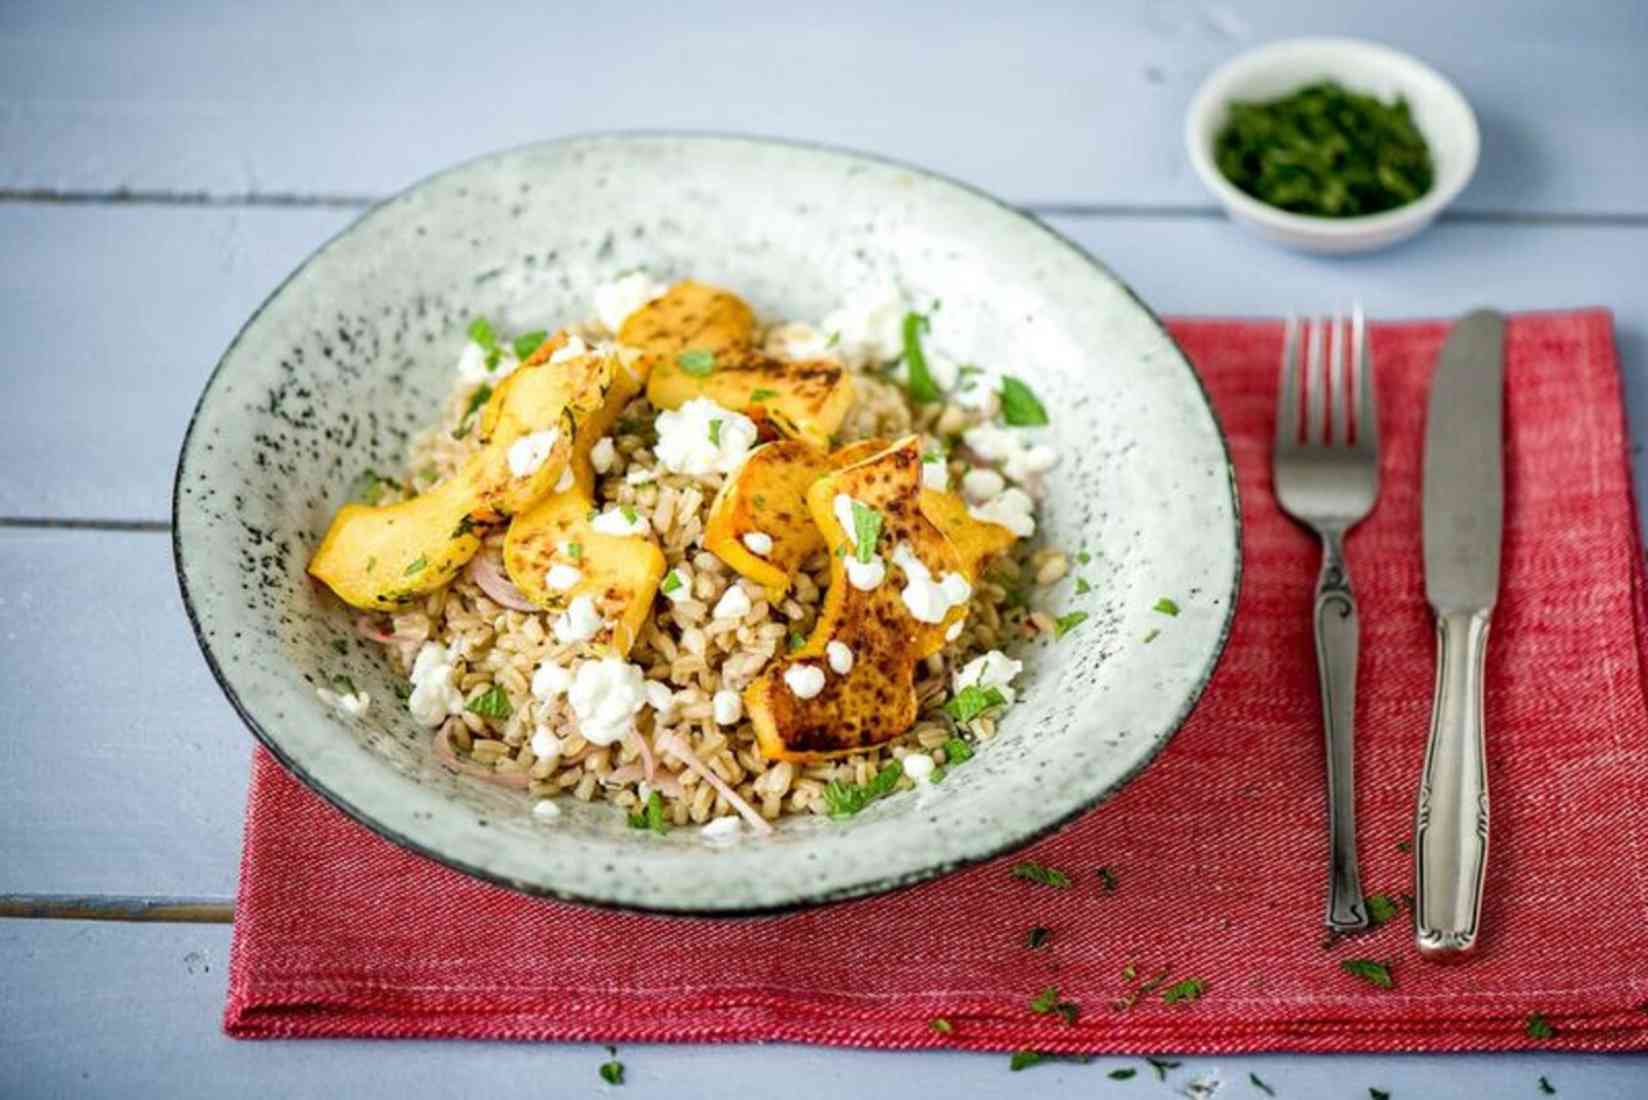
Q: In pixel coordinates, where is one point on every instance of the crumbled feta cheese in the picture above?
(840, 656)
(758, 542)
(868, 328)
(935, 473)
(572, 349)
(929, 600)
(990, 670)
(472, 364)
(350, 705)
(724, 828)
(659, 696)
(615, 301)
(956, 627)
(842, 506)
(565, 481)
(545, 744)
(865, 575)
(562, 576)
(603, 454)
(919, 767)
(797, 340)
(981, 485)
(1013, 509)
(579, 623)
(640, 475)
(1019, 460)
(621, 521)
(804, 680)
(546, 809)
(528, 454)
(434, 697)
(728, 707)
(550, 680)
(685, 443)
(678, 589)
(605, 696)
(733, 604)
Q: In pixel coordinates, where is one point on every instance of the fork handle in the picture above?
(1450, 835)
(1338, 628)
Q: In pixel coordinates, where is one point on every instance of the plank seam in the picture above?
(118, 907)
(36, 523)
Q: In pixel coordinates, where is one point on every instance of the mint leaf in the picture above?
(1166, 606)
(1183, 992)
(494, 703)
(1064, 624)
(866, 531)
(1041, 874)
(920, 385)
(1369, 970)
(528, 342)
(846, 799)
(972, 701)
(1020, 407)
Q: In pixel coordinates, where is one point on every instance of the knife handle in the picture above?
(1338, 641)
(1451, 828)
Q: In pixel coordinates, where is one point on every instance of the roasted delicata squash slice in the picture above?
(975, 540)
(875, 700)
(801, 399)
(619, 573)
(379, 559)
(767, 499)
(690, 317)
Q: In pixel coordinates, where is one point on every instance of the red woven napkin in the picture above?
(1218, 850)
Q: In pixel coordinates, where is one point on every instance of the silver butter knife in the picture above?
(1463, 516)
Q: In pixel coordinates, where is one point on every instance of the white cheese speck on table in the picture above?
(615, 301)
(688, 444)
(728, 708)
(605, 695)
(528, 454)
(758, 542)
(840, 657)
(616, 521)
(804, 680)
(733, 604)
(579, 623)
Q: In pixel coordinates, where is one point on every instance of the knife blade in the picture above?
(1463, 512)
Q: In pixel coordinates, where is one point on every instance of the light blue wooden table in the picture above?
(161, 170)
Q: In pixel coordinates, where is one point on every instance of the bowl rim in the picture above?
(800, 902)
(1213, 92)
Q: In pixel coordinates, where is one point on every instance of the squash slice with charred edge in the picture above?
(690, 317)
(802, 399)
(379, 559)
(768, 495)
(876, 700)
(976, 540)
(621, 573)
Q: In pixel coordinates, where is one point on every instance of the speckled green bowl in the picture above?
(352, 353)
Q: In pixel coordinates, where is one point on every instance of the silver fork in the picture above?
(1327, 478)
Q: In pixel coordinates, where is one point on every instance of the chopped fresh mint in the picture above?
(575, 551)
(972, 701)
(941, 1025)
(1381, 908)
(612, 1071)
(715, 432)
(341, 646)
(631, 516)
(493, 703)
(866, 531)
(344, 684)
(1083, 557)
(417, 566)
(1161, 1066)
(1378, 1094)
(846, 799)
(1108, 878)
(1166, 606)
(698, 362)
(1538, 1027)
(1020, 407)
(919, 382)
(651, 815)
(1082, 587)
(797, 640)
(1064, 624)
(1546, 1087)
(369, 487)
(761, 393)
(672, 582)
(1259, 1084)
(1369, 970)
(957, 751)
(480, 331)
(1126, 1073)
(482, 394)
(1184, 992)
(528, 342)
(1151, 635)
(1041, 874)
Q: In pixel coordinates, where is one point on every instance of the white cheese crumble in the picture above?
(868, 328)
(605, 695)
(797, 340)
(865, 575)
(842, 506)
(804, 680)
(724, 828)
(528, 454)
(981, 484)
(728, 708)
(1019, 461)
(840, 656)
(935, 473)
(919, 767)
(562, 576)
(702, 438)
(545, 744)
(603, 454)
(1013, 509)
(678, 589)
(758, 542)
(472, 364)
(989, 670)
(929, 600)
(565, 481)
(572, 349)
(579, 623)
(733, 604)
(550, 681)
(546, 809)
(955, 629)
(616, 521)
(659, 696)
(615, 301)
(640, 475)
(433, 698)
(350, 705)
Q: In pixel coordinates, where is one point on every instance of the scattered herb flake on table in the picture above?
(1538, 1027)
(1041, 874)
(1038, 937)
(1126, 1073)
(1020, 408)
(1184, 992)
(1325, 151)
(1378, 1094)
(1108, 878)
(1381, 908)
(941, 1025)
(1546, 1087)
(1260, 1085)
(1161, 1066)
(340, 646)
(612, 1071)
(1370, 970)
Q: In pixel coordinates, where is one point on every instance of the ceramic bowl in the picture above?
(1439, 110)
(352, 354)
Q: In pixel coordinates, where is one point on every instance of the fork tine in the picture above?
(1367, 409)
(1287, 389)
(1339, 391)
(1316, 413)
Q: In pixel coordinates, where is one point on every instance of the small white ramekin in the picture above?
(1439, 110)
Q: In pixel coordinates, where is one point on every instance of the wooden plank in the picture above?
(95, 433)
(1064, 102)
(126, 771)
(132, 1011)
